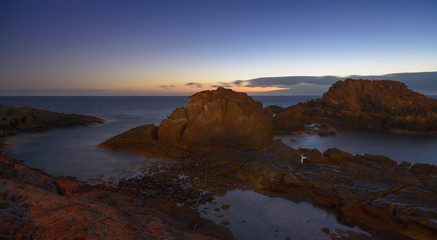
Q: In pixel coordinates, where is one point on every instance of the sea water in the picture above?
(251, 215)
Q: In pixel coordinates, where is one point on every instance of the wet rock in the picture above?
(315, 156)
(336, 156)
(137, 138)
(424, 170)
(379, 161)
(325, 230)
(225, 206)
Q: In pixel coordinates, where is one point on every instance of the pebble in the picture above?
(225, 223)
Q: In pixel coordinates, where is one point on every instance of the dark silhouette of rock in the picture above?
(275, 109)
(35, 205)
(212, 119)
(26, 119)
(379, 104)
(135, 139)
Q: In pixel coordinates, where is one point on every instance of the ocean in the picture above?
(74, 152)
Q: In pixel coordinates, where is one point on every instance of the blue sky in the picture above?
(160, 47)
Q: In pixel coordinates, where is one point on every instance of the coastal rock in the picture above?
(34, 205)
(379, 105)
(367, 190)
(275, 109)
(220, 118)
(136, 138)
(356, 187)
(27, 119)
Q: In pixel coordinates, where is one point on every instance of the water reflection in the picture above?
(74, 152)
(255, 216)
(399, 147)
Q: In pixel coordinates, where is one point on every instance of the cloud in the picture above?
(284, 82)
(166, 86)
(222, 84)
(194, 84)
(424, 82)
(238, 82)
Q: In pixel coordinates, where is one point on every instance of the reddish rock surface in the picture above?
(379, 104)
(34, 205)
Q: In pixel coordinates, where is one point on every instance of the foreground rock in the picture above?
(26, 119)
(34, 205)
(378, 105)
(370, 191)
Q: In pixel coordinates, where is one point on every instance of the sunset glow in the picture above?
(113, 46)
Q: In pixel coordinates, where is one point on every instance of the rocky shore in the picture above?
(35, 205)
(27, 119)
(396, 200)
(381, 105)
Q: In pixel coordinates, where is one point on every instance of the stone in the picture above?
(225, 206)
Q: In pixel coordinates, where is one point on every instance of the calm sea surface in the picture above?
(74, 152)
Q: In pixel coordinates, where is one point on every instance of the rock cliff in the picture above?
(379, 105)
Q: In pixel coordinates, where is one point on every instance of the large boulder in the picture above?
(219, 118)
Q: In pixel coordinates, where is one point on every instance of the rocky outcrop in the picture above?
(34, 205)
(275, 109)
(370, 191)
(217, 134)
(26, 119)
(379, 105)
(212, 119)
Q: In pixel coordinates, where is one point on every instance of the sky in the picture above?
(160, 47)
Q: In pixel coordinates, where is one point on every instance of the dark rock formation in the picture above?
(368, 190)
(26, 119)
(220, 118)
(212, 119)
(34, 205)
(217, 134)
(275, 109)
(379, 105)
